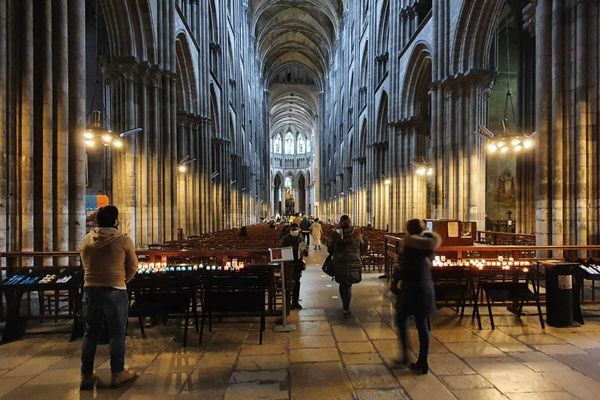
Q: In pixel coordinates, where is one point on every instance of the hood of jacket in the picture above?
(100, 237)
(427, 240)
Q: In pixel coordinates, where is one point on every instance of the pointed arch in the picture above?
(130, 28)
(186, 86)
(417, 82)
(382, 118)
(474, 35)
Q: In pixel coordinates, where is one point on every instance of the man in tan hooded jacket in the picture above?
(109, 262)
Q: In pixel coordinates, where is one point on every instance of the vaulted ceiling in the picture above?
(295, 40)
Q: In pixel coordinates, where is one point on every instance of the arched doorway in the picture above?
(302, 194)
(277, 194)
(290, 202)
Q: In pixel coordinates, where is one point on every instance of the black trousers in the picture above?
(306, 237)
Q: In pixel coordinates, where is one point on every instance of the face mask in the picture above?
(294, 233)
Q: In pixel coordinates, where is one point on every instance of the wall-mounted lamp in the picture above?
(386, 180)
(131, 132)
(183, 164)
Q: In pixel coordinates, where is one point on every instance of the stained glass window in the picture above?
(277, 144)
(289, 143)
(301, 144)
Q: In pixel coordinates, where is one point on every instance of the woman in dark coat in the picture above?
(344, 245)
(417, 294)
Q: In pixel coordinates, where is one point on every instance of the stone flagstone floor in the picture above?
(327, 357)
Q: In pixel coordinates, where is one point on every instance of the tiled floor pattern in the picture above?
(326, 357)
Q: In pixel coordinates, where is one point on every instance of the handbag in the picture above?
(328, 266)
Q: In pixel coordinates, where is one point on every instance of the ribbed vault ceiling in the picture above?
(292, 36)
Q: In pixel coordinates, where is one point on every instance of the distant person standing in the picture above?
(344, 244)
(416, 296)
(316, 230)
(305, 228)
(109, 262)
(296, 219)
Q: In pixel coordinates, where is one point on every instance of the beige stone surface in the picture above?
(370, 376)
(349, 333)
(314, 355)
(466, 382)
(356, 347)
(263, 362)
(256, 391)
(479, 394)
(423, 387)
(379, 331)
(541, 396)
(448, 364)
(381, 394)
(307, 342)
(323, 381)
(33, 366)
(332, 358)
(477, 349)
(361, 358)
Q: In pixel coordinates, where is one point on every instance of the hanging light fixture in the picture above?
(507, 142)
(97, 134)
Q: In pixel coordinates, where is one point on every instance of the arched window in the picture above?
(289, 143)
(288, 182)
(308, 149)
(277, 144)
(301, 144)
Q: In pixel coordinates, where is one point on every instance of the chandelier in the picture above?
(96, 134)
(507, 142)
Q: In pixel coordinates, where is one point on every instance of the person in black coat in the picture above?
(416, 295)
(293, 269)
(344, 244)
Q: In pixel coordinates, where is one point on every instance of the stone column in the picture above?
(60, 52)
(76, 35)
(583, 170)
(26, 134)
(47, 203)
(543, 98)
(3, 131)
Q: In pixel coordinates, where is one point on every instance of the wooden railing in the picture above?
(569, 252)
(504, 238)
(70, 259)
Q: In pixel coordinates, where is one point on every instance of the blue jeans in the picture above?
(104, 306)
(423, 331)
(346, 295)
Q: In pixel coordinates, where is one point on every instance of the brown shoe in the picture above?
(88, 381)
(123, 377)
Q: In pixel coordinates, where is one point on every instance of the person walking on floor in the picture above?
(293, 269)
(305, 228)
(344, 245)
(416, 295)
(316, 230)
(109, 262)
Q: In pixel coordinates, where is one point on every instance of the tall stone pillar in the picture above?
(60, 53)
(3, 132)
(26, 135)
(47, 163)
(76, 37)
(543, 98)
